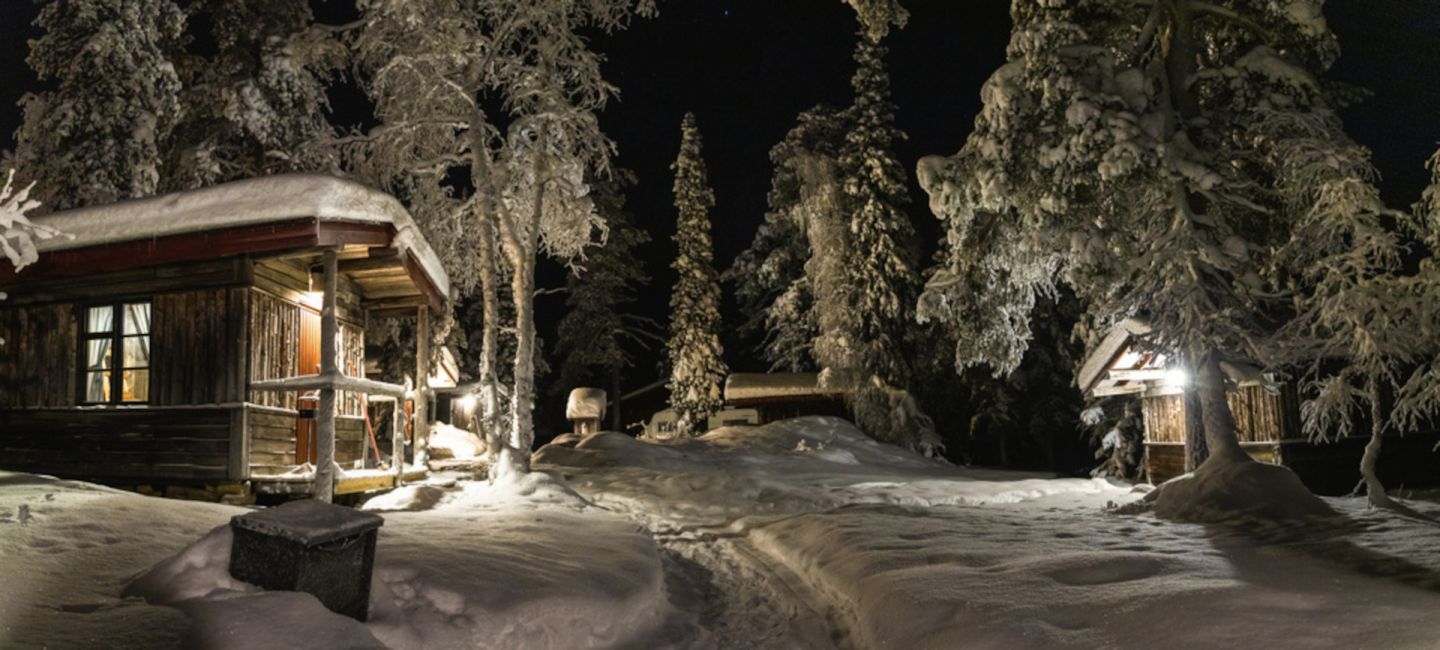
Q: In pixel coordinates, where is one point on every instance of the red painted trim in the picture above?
(210, 244)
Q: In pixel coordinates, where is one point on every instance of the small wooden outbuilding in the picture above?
(585, 408)
(782, 395)
(180, 339)
(1267, 418)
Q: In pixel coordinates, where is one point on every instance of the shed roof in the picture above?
(761, 385)
(237, 205)
(1117, 366)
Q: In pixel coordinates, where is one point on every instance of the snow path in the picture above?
(884, 549)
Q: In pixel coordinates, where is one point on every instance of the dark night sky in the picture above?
(747, 67)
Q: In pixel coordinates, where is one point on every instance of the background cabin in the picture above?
(137, 349)
(1267, 419)
(782, 395)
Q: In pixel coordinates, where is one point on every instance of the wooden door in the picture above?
(305, 441)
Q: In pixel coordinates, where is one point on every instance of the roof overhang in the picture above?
(261, 216)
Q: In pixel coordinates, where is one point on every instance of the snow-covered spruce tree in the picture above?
(597, 338)
(433, 67)
(1139, 152)
(95, 135)
(864, 350)
(878, 16)
(770, 276)
(256, 105)
(697, 370)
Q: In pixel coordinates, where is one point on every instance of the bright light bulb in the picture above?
(466, 403)
(1176, 377)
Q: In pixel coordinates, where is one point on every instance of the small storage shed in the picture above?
(1267, 418)
(585, 407)
(179, 339)
(783, 395)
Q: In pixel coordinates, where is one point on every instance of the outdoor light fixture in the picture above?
(1176, 377)
(466, 402)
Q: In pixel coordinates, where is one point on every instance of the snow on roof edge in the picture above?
(759, 385)
(250, 201)
(1105, 353)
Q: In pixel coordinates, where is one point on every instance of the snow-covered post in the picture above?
(422, 386)
(325, 417)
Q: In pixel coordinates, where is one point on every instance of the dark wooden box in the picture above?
(324, 550)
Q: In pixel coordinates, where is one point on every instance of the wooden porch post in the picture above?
(397, 440)
(422, 386)
(325, 417)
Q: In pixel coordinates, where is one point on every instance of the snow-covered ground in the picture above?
(798, 534)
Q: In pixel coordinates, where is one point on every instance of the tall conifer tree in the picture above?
(697, 369)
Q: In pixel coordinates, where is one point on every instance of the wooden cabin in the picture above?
(178, 339)
(1267, 418)
(783, 395)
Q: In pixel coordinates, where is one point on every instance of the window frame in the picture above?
(116, 336)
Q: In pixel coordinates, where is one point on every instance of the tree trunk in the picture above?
(523, 249)
(615, 423)
(1374, 490)
(1196, 451)
(489, 340)
(1220, 436)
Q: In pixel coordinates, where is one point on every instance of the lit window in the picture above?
(117, 354)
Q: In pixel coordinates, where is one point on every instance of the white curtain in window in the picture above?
(137, 320)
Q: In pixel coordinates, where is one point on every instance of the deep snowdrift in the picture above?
(475, 566)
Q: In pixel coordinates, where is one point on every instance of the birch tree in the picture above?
(433, 68)
(597, 338)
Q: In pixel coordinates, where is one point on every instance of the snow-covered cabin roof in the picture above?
(1119, 367)
(249, 202)
(585, 404)
(762, 385)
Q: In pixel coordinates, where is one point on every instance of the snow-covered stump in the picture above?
(324, 550)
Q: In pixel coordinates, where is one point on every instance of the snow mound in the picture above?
(409, 498)
(200, 570)
(474, 565)
(451, 442)
(1223, 490)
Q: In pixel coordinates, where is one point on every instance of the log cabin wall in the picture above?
(274, 346)
(184, 433)
(37, 356)
(273, 444)
(198, 347)
(1260, 415)
(123, 445)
